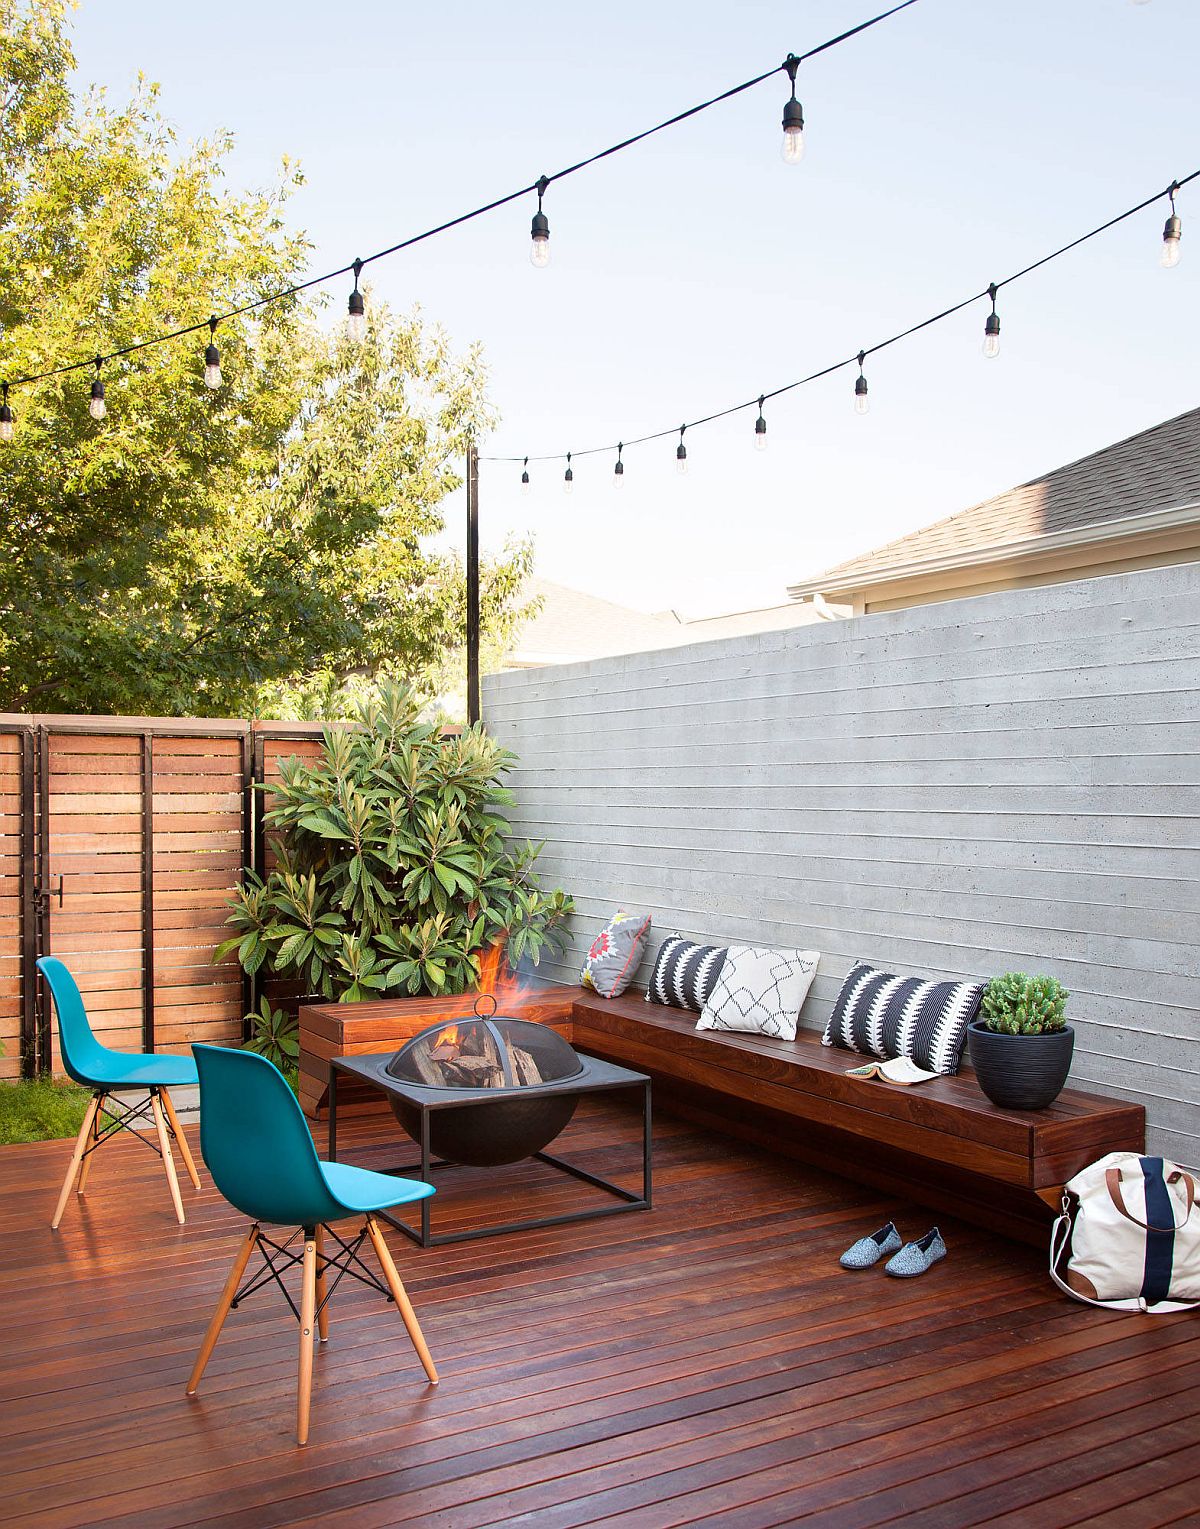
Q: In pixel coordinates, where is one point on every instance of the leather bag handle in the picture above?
(1112, 1178)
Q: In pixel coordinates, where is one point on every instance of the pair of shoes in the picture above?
(908, 1261)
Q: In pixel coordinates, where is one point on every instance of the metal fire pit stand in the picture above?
(599, 1077)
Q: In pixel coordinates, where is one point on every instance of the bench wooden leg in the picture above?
(85, 1130)
(400, 1296)
(223, 1305)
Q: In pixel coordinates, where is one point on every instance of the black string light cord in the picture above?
(858, 357)
(789, 64)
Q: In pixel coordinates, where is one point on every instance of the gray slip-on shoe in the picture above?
(869, 1250)
(915, 1257)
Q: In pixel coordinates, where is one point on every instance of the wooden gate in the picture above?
(121, 838)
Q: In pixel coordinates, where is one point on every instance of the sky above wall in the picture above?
(947, 147)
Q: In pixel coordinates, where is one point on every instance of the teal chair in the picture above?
(105, 1072)
(257, 1145)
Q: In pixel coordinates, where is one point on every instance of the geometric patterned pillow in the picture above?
(760, 991)
(613, 957)
(684, 973)
(880, 1014)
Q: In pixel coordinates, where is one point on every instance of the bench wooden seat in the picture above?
(940, 1142)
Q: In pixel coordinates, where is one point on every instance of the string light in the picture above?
(212, 359)
(569, 477)
(96, 406)
(793, 118)
(6, 416)
(539, 248)
(357, 308)
(525, 477)
(681, 465)
(760, 426)
(1172, 233)
(991, 330)
(861, 401)
(356, 311)
(619, 468)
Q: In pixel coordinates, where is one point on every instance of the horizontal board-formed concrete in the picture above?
(1007, 782)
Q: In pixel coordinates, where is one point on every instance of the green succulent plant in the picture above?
(1016, 1004)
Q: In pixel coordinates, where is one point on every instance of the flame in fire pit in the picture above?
(446, 1046)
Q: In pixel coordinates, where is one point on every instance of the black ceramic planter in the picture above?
(1021, 1072)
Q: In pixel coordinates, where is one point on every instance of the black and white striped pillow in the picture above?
(880, 1014)
(684, 973)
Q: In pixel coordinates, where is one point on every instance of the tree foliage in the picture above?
(393, 873)
(196, 549)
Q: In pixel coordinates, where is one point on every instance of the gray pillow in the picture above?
(613, 959)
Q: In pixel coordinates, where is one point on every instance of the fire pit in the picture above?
(489, 1089)
(481, 1056)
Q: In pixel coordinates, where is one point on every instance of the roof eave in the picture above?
(834, 586)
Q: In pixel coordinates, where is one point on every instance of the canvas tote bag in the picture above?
(1129, 1235)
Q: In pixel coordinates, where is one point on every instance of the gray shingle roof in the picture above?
(1157, 469)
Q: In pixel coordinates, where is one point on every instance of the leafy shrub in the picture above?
(393, 874)
(1019, 1005)
(274, 1034)
(41, 1109)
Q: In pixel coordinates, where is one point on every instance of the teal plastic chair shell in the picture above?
(260, 1152)
(94, 1065)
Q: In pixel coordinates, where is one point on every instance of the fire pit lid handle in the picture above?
(486, 998)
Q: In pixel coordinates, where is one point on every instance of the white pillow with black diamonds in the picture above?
(760, 991)
(880, 1014)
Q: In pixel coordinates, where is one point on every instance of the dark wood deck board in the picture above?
(703, 1362)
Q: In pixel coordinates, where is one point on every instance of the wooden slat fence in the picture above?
(121, 839)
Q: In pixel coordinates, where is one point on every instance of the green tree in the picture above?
(196, 548)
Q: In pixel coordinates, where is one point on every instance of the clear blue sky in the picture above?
(950, 145)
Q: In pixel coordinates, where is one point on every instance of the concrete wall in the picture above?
(1006, 782)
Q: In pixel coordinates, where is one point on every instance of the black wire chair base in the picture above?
(115, 1124)
(279, 1257)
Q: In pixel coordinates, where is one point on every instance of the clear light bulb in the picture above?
(792, 149)
(539, 251)
(991, 345)
(96, 405)
(681, 466)
(212, 368)
(861, 402)
(760, 434)
(356, 327)
(1171, 251)
(6, 424)
(569, 483)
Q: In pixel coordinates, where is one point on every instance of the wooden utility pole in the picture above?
(472, 583)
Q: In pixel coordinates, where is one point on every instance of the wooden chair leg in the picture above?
(85, 1130)
(184, 1149)
(322, 1309)
(308, 1304)
(223, 1305)
(164, 1142)
(86, 1166)
(400, 1296)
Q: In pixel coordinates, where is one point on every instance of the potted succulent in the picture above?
(1021, 1044)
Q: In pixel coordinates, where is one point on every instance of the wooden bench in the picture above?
(941, 1143)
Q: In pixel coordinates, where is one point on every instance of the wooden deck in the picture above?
(704, 1362)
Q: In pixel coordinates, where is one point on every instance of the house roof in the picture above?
(1155, 471)
(571, 625)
